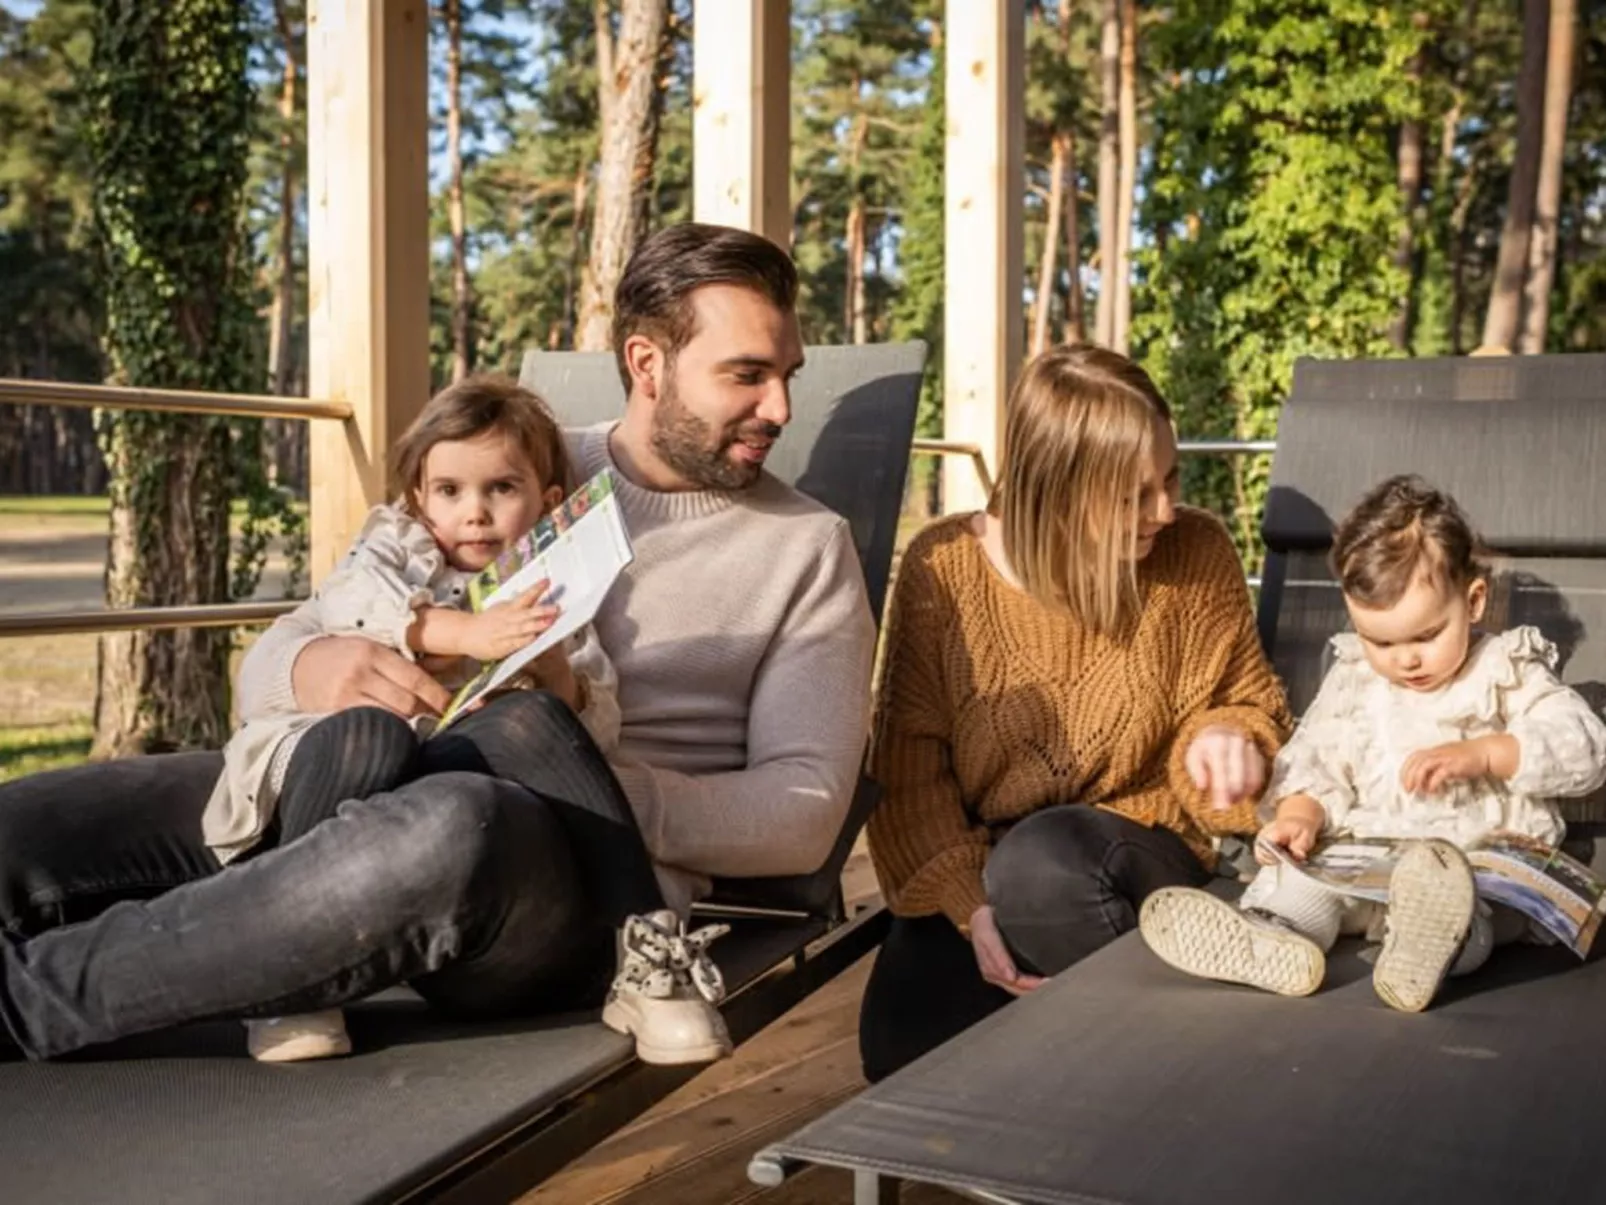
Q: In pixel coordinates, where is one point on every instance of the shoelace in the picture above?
(668, 957)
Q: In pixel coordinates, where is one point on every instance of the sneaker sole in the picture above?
(1199, 934)
(618, 1019)
(1431, 898)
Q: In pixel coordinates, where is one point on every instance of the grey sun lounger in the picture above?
(429, 1109)
(1123, 1082)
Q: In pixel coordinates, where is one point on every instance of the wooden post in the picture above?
(368, 249)
(983, 337)
(742, 123)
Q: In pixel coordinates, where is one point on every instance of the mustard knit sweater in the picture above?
(993, 706)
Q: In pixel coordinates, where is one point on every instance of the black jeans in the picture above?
(1063, 883)
(116, 919)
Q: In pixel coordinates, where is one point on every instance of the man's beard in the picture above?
(695, 450)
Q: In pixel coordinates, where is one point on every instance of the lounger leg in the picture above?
(872, 1188)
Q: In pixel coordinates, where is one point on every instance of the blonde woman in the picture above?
(1075, 702)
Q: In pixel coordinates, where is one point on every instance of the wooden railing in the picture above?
(171, 401)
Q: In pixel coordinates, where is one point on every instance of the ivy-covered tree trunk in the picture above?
(169, 130)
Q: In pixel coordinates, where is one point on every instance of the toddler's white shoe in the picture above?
(667, 990)
(1432, 895)
(1202, 935)
(297, 1038)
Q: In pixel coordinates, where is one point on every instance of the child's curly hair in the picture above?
(1402, 529)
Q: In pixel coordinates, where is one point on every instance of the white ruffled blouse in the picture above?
(393, 567)
(1351, 746)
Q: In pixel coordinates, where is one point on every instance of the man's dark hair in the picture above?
(654, 295)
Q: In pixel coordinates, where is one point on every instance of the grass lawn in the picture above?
(47, 747)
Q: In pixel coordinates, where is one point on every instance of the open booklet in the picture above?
(1556, 891)
(580, 548)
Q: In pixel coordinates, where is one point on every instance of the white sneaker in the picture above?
(1205, 936)
(1432, 896)
(666, 991)
(298, 1038)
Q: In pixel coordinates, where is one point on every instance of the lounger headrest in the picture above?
(1519, 442)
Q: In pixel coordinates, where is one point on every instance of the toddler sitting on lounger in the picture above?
(482, 463)
(1423, 729)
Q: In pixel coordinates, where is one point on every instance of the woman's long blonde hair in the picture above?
(1079, 431)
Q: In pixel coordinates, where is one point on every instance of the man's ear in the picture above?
(645, 362)
(1477, 599)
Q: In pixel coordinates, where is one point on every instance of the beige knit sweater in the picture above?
(994, 706)
(743, 642)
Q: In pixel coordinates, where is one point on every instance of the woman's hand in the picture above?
(1227, 764)
(992, 955)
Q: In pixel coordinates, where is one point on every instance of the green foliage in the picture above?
(917, 311)
(1275, 212)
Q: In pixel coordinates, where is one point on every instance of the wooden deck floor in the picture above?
(692, 1148)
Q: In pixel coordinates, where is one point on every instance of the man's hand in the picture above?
(508, 627)
(992, 955)
(1297, 828)
(333, 673)
(1429, 771)
(1226, 763)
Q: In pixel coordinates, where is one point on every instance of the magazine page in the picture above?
(580, 548)
(1358, 867)
(1555, 890)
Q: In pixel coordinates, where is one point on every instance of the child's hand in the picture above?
(1297, 827)
(508, 627)
(1296, 834)
(1429, 771)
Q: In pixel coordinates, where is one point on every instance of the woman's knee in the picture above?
(1049, 851)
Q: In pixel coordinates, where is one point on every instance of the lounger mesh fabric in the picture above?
(1521, 443)
(1124, 1082)
(185, 1117)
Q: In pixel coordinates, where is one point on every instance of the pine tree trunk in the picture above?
(452, 11)
(168, 84)
(1505, 296)
(1047, 264)
(1121, 318)
(1109, 169)
(572, 268)
(855, 243)
(631, 101)
(1552, 157)
(1075, 299)
(1408, 172)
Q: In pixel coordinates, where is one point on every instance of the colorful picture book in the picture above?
(580, 548)
(1558, 892)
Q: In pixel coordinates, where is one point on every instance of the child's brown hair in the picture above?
(1402, 529)
(471, 408)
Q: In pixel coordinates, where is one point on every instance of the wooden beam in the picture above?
(368, 249)
(742, 116)
(984, 338)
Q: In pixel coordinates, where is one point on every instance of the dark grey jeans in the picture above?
(1064, 882)
(116, 919)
